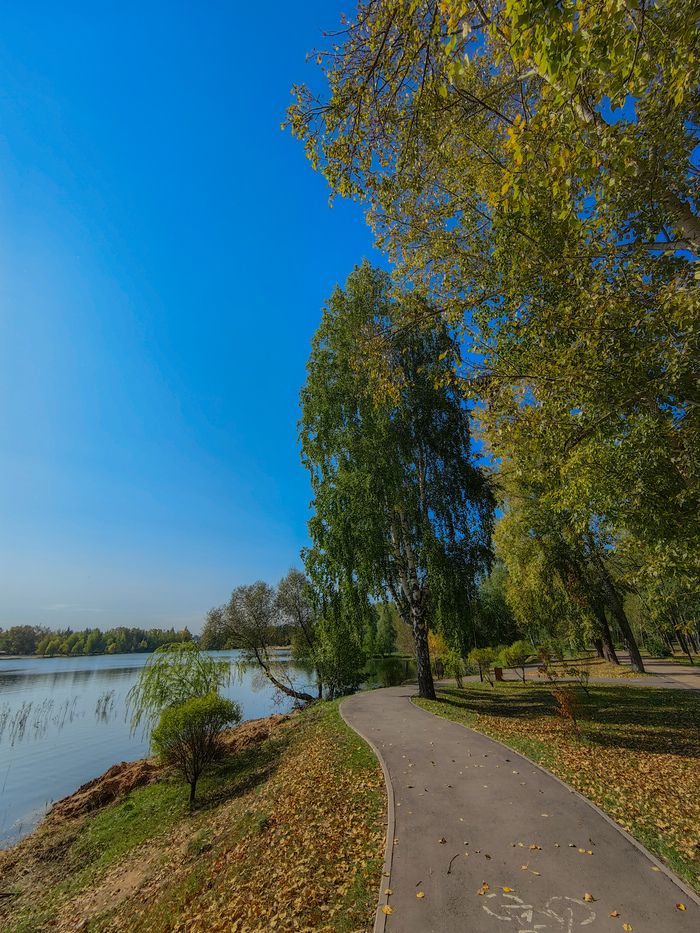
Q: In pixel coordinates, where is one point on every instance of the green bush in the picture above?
(188, 736)
(658, 648)
(482, 657)
(516, 657)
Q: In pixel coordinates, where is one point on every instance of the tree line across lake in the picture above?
(39, 640)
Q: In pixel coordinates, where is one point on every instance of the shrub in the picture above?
(483, 658)
(453, 665)
(658, 648)
(516, 657)
(188, 736)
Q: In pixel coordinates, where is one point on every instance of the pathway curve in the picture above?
(468, 815)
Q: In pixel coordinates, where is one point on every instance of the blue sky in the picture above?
(164, 254)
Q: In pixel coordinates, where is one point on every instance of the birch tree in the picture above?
(401, 510)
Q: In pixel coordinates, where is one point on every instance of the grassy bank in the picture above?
(286, 835)
(637, 756)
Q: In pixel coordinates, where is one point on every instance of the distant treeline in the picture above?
(36, 639)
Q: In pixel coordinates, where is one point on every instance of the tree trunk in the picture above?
(426, 688)
(598, 643)
(684, 645)
(616, 606)
(289, 691)
(606, 638)
(193, 788)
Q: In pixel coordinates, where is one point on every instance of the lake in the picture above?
(62, 723)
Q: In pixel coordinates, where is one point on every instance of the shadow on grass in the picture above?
(641, 718)
(236, 774)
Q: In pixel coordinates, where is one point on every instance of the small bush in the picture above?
(516, 657)
(483, 657)
(658, 648)
(188, 736)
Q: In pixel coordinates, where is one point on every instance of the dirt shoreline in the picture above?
(118, 781)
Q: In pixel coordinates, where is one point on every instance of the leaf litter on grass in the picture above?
(296, 847)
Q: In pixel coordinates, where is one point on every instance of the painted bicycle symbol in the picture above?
(564, 914)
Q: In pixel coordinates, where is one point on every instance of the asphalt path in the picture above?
(481, 839)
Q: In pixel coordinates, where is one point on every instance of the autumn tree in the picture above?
(400, 508)
(532, 168)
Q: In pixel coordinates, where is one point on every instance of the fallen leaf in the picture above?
(420, 894)
(442, 841)
(488, 857)
(388, 891)
(387, 910)
(508, 890)
(655, 868)
(481, 891)
(535, 847)
(614, 914)
(680, 906)
(582, 850)
(535, 873)
(386, 874)
(524, 867)
(626, 926)
(589, 898)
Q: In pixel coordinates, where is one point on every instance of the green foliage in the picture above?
(515, 657)
(187, 736)
(173, 675)
(532, 169)
(399, 504)
(483, 658)
(454, 666)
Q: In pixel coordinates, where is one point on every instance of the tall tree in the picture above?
(532, 168)
(400, 507)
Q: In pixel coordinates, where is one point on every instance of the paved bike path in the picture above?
(468, 815)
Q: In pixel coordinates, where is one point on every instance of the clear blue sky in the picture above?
(164, 254)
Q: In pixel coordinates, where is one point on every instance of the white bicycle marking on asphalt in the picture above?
(567, 913)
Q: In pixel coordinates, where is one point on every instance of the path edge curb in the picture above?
(608, 819)
(380, 917)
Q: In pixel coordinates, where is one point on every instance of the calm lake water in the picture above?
(62, 723)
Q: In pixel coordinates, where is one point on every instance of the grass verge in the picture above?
(286, 836)
(637, 755)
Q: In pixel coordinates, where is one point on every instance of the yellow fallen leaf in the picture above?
(614, 914)
(589, 898)
(655, 868)
(481, 891)
(535, 847)
(488, 857)
(508, 890)
(524, 867)
(420, 894)
(388, 891)
(535, 873)
(680, 906)
(627, 927)
(387, 910)
(442, 841)
(582, 850)
(386, 874)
